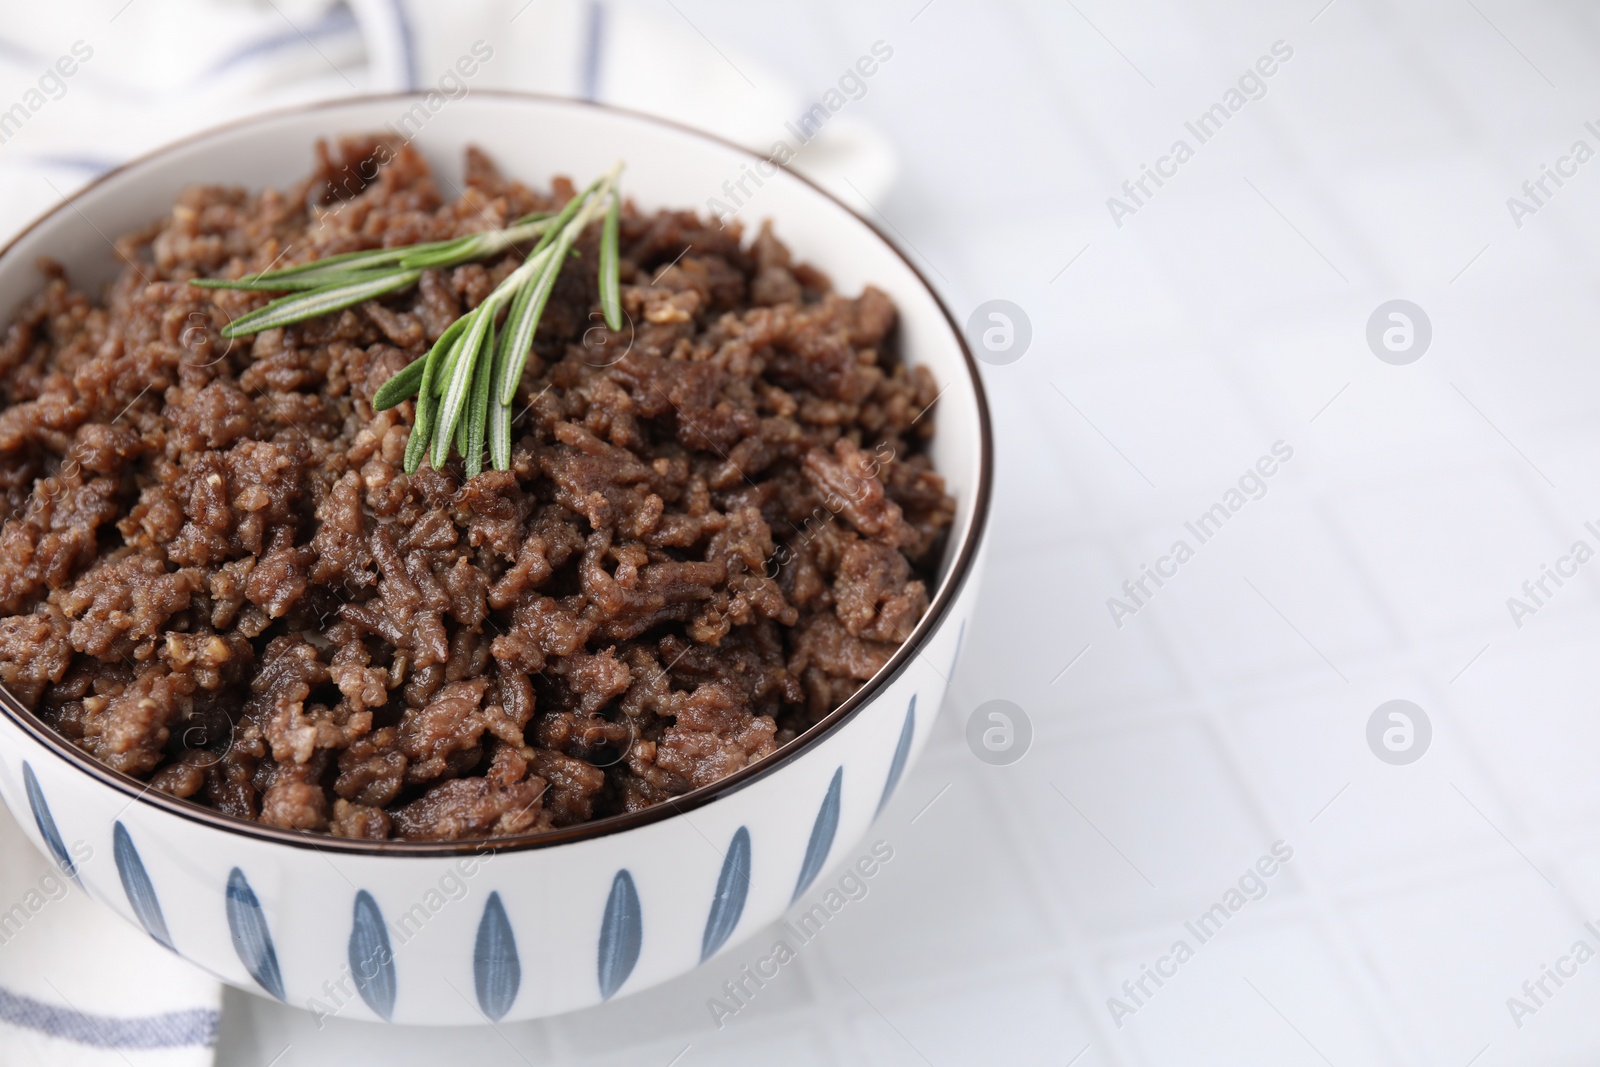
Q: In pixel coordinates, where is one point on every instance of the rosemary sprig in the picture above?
(466, 382)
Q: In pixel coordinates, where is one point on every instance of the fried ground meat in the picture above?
(215, 574)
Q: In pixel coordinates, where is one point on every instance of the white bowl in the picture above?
(452, 933)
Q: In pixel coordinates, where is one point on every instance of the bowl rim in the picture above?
(945, 596)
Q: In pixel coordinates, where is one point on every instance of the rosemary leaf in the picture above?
(570, 208)
(416, 444)
(610, 298)
(478, 411)
(500, 434)
(493, 242)
(455, 395)
(447, 254)
(556, 226)
(453, 352)
(355, 266)
(363, 260)
(405, 383)
(540, 286)
(521, 323)
(400, 387)
(297, 283)
(427, 405)
(498, 411)
(287, 310)
(321, 271)
(460, 438)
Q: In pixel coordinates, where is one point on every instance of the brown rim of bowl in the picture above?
(960, 570)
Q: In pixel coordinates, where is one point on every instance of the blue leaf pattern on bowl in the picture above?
(733, 885)
(136, 884)
(822, 832)
(496, 969)
(47, 824)
(251, 938)
(621, 934)
(371, 958)
(902, 751)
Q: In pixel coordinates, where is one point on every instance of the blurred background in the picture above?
(1304, 287)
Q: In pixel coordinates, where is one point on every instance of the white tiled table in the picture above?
(1226, 314)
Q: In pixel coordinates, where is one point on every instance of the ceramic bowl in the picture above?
(451, 933)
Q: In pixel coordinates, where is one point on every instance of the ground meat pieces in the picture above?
(122, 602)
(359, 820)
(441, 739)
(373, 769)
(497, 508)
(832, 662)
(713, 737)
(216, 575)
(540, 628)
(129, 731)
(34, 651)
(294, 804)
(473, 807)
(104, 448)
(361, 685)
(54, 537)
(210, 418)
(215, 661)
(847, 481)
(184, 776)
(278, 579)
(875, 595)
(573, 786)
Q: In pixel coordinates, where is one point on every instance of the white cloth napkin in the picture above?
(78, 986)
(166, 68)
